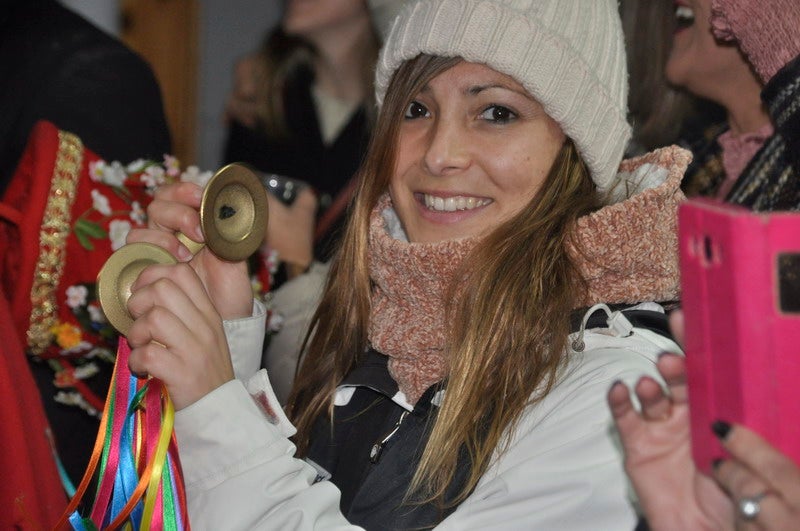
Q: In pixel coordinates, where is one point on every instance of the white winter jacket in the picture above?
(563, 469)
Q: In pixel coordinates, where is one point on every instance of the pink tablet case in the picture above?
(741, 304)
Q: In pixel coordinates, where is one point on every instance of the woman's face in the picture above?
(697, 61)
(473, 150)
(307, 18)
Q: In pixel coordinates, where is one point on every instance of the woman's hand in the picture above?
(291, 230)
(175, 209)
(177, 334)
(658, 456)
(757, 469)
(673, 493)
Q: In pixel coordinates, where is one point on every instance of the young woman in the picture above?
(456, 377)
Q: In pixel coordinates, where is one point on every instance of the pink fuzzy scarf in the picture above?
(629, 254)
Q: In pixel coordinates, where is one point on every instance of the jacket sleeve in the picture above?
(245, 341)
(239, 466)
(564, 467)
(238, 463)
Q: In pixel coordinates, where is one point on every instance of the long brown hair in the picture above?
(657, 109)
(281, 57)
(509, 319)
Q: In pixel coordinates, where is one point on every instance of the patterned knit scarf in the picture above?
(408, 303)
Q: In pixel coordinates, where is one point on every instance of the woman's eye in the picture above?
(498, 114)
(416, 110)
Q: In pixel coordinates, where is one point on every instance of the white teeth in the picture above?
(452, 204)
(685, 13)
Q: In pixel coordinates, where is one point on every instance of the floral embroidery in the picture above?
(101, 203)
(66, 335)
(76, 296)
(118, 230)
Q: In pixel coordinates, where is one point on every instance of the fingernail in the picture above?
(664, 353)
(716, 462)
(183, 254)
(198, 194)
(614, 384)
(721, 429)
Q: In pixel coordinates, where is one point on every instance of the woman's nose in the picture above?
(447, 150)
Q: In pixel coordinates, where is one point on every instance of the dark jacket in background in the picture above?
(57, 66)
(771, 180)
(303, 155)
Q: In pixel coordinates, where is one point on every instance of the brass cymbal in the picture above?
(234, 212)
(233, 217)
(118, 274)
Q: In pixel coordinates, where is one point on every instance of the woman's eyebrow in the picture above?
(477, 89)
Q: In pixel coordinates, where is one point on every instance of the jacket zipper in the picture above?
(377, 449)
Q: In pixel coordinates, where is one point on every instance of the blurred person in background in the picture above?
(302, 107)
(57, 66)
(690, 88)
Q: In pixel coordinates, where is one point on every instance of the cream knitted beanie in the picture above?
(569, 54)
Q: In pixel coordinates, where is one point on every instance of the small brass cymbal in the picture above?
(234, 212)
(233, 217)
(118, 274)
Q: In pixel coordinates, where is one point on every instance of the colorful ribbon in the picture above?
(139, 480)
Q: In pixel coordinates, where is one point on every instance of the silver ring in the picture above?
(750, 506)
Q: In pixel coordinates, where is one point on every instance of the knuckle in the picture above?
(183, 272)
(162, 289)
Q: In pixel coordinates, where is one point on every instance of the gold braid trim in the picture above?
(56, 226)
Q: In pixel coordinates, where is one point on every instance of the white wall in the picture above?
(228, 30)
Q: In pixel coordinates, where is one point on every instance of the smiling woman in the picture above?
(474, 148)
(457, 364)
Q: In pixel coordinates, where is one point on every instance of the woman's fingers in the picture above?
(177, 334)
(175, 208)
(619, 400)
(778, 471)
(165, 240)
(171, 286)
(756, 504)
(760, 478)
(672, 368)
(655, 404)
(756, 453)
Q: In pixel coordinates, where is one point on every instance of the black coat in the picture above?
(55, 65)
(303, 155)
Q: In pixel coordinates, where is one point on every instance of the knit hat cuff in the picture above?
(527, 50)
